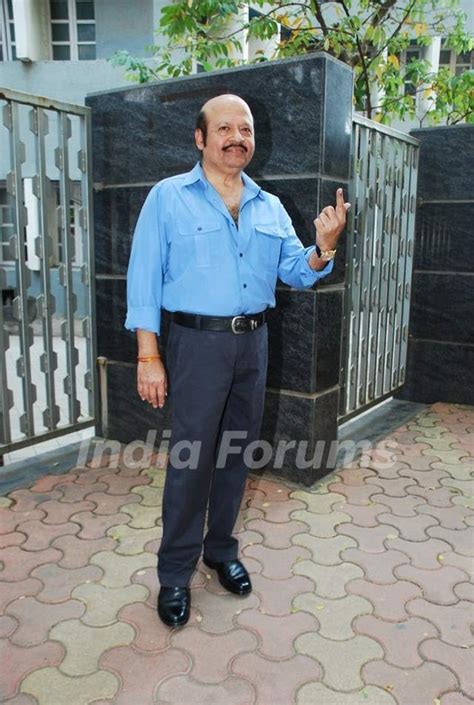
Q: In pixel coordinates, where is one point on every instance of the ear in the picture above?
(198, 136)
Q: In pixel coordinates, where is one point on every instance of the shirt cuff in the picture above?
(319, 273)
(144, 317)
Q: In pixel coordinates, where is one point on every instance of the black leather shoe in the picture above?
(174, 605)
(232, 575)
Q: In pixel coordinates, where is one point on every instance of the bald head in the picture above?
(216, 105)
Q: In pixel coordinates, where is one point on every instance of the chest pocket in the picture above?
(269, 238)
(201, 242)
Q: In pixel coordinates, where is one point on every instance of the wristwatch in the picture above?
(327, 255)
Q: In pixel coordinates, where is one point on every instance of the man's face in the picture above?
(230, 142)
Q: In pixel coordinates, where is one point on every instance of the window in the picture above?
(456, 63)
(7, 31)
(412, 53)
(72, 29)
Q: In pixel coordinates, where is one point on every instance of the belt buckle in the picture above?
(233, 323)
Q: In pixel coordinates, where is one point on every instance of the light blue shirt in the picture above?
(188, 254)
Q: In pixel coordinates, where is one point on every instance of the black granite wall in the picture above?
(440, 364)
(303, 115)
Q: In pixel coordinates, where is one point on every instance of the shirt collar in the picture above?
(197, 174)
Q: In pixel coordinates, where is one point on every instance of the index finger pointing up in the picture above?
(341, 207)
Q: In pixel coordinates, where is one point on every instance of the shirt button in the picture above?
(240, 254)
(199, 228)
(245, 286)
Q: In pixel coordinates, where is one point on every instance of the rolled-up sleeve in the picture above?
(293, 268)
(146, 267)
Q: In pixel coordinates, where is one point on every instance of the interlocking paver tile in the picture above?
(462, 541)
(437, 585)
(353, 653)
(423, 685)
(276, 535)
(357, 494)
(142, 517)
(447, 457)
(275, 681)
(36, 619)
(277, 564)
(111, 504)
(277, 633)
(22, 699)
(148, 578)
(58, 583)
(453, 621)
(10, 520)
(400, 506)
(49, 482)
(21, 661)
(400, 640)
(84, 645)
(119, 569)
(388, 600)
(410, 528)
(217, 612)
(120, 484)
(422, 554)
(461, 471)
(51, 687)
(274, 491)
(61, 512)
(246, 537)
(278, 512)
(132, 541)
(24, 500)
(77, 552)
(276, 596)
(89, 474)
(321, 525)
(435, 496)
(211, 653)
(325, 551)
(318, 503)
(465, 486)
(7, 625)
(150, 632)
(389, 470)
(14, 538)
(22, 588)
(335, 617)
(370, 540)
(455, 699)
(355, 475)
(103, 603)
(425, 478)
(41, 535)
(364, 515)
(95, 526)
(134, 669)
(73, 492)
(451, 517)
(149, 496)
(462, 562)
(17, 564)
(181, 690)
(375, 569)
(330, 581)
(319, 694)
(457, 659)
(393, 488)
(465, 591)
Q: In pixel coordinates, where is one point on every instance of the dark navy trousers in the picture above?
(216, 384)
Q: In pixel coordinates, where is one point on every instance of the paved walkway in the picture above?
(361, 587)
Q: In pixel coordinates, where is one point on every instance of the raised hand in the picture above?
(331, 222)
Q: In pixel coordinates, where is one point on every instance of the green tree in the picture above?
(368, 35)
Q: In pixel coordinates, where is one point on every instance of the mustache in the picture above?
(236, 144)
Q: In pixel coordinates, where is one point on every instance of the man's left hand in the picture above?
(331, 222)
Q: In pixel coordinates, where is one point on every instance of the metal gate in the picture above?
(47, 317)
(380, 259)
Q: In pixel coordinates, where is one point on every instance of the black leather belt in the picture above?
(235, 324)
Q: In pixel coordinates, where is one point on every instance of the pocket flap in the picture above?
(271, 229)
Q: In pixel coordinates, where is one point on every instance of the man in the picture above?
(208, 247)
